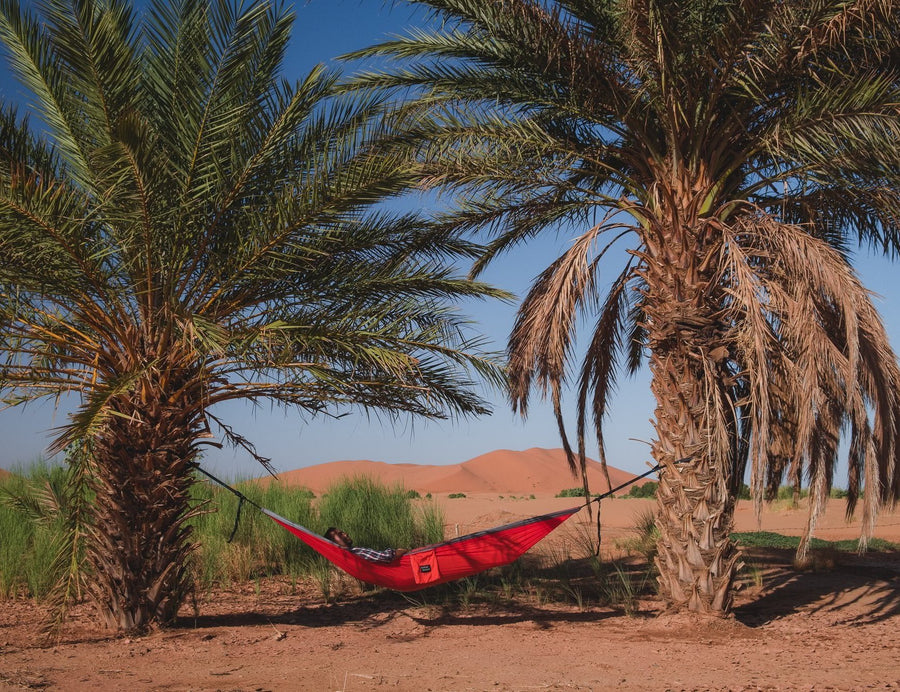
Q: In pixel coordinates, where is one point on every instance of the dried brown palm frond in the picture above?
(816, 357)
(543, 337)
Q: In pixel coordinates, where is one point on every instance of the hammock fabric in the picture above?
(442, 562)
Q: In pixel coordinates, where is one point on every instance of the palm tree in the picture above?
(730, 152)
(181, 228)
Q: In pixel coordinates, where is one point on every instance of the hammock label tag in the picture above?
(425, 567)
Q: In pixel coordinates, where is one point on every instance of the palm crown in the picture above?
(184, 228)
(733, 149)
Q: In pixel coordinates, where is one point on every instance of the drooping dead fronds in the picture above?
(816, 356)
(543, 337)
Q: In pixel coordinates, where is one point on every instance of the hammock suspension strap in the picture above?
(620, 487)
(241, 500)
(627, 483)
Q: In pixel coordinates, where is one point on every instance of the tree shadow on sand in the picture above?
(375, 611)
(438, 616)
(475, 601)
(858, 589)
(852, 589)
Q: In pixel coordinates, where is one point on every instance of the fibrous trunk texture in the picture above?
(695, 556)
(140, 541)
(695, 431)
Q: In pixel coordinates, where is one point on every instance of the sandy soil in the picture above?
(837, 628)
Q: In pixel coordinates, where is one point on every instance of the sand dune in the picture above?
(538, 471)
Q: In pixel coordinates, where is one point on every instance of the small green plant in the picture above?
(323, 573)
(751, 574)
(623, 589)
(644, 536)
(574, 492)
(583, 535)
(647, 490)
(456, 496)
(574, 592)
(467, 589)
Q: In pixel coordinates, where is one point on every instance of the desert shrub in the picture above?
(574, 492)
(786, 492)
(570, 492)
(646, 490)
(456, 496)
(378, 516)
(413, 494)
(430, 522)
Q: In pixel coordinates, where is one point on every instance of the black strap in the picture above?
(627, 483)
(241, 500)
(237, 519)
(618, 488)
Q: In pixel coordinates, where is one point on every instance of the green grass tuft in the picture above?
(769, 539)
(377, 516)
(31, 529)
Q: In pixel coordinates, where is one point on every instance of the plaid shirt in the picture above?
(375, 555)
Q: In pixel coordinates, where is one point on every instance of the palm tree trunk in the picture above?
(696, 558)
(695, 430)
(140, 541)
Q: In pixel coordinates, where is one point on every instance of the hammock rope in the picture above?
(437, 563)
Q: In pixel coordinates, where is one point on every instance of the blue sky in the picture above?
(322, 30)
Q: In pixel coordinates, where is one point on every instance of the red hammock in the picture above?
(441, 562)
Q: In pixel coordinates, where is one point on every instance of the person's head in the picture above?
(335, 535)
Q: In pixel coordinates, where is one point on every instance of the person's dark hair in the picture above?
(329, 534)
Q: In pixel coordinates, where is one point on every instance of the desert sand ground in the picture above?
(833, 629)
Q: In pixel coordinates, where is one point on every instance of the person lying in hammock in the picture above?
(335, 535)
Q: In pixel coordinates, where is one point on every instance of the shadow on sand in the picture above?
(859, 589)
(375, 610)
